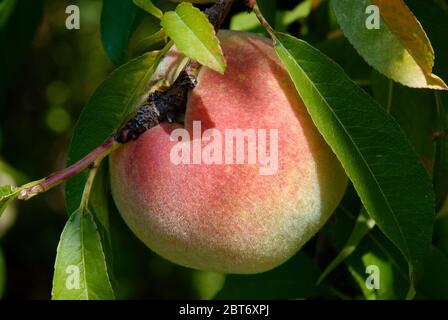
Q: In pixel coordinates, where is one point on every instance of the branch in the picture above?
(161, 106)
(61, 176)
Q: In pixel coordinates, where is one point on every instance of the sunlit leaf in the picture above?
(194, 36)
(399, 48)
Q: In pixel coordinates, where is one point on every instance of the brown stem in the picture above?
(218, 12)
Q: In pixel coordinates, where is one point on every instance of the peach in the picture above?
(228, 217)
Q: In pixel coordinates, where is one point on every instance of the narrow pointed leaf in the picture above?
(80, 269)
(399, 48)
(385, 170)
(194, 36)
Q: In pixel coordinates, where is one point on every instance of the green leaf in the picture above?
(410, 56)
(81, 271)
(293, 280)
(119, 18)
(194, 36)
(362, 227)
(115, 98)
(385, 170)
(149, 7)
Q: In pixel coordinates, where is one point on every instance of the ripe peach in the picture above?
(229, 217)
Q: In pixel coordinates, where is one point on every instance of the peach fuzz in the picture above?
(227, 217)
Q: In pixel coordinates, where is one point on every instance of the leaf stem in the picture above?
(93, 170)
(263, 20)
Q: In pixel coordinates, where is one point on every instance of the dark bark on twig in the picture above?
(163, 106)
(218, 12)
